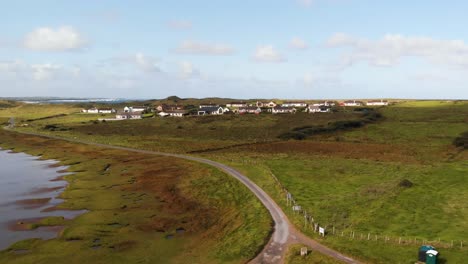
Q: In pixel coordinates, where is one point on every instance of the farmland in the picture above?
(399, 177)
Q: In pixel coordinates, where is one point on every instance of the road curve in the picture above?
(283, 234)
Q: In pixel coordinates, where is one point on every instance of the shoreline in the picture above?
(41, 223)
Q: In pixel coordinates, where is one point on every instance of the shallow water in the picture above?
(24, 177)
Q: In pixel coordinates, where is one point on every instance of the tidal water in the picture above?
(23, 180)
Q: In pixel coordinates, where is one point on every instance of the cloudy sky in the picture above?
(242, 49)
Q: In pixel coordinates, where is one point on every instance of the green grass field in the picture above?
(351, 179)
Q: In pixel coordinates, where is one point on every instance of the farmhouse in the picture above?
(176, 113)
(294, 104)
(250, 110)
(129, 115)
(211, 110)
(381, 102)
(236, 104)
(283, 110)
(317, 109)
(351, 103)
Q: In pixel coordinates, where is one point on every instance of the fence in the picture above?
(311, 223)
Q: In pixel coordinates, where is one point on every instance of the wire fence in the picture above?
(311, 223)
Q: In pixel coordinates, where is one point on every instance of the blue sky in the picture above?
(242, 49)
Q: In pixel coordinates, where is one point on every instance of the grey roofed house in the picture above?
(210, 110)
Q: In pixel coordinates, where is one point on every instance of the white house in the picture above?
(381, 102)
(211, 110)
(236, 104)
(93, 110)
(294, 104)
(208, 105)
(270, 104)
(283, 110)
(352, 103)
(128, 115)
(324, 103)
(135, 109)
(250, 110)
(175, 113)
(317, 109)
(106, 110)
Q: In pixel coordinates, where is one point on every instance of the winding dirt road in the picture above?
(284, 232)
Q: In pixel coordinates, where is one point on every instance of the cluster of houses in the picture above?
(164, 110)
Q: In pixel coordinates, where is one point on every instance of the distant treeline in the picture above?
(462, 141)
(369, 115)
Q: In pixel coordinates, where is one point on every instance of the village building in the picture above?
(130, 109)
(211, 110)
(283, 110)
(129, 115)
(317, 109)
(324, 103)
(165, 107)
(236, 104)
(294, 104)
(270, 104)
(175, 113)
(351, 103)
(249, 110)
(95, 110)
(208, 105)
(381, 102)
(106, 110)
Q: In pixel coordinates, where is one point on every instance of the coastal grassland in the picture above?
(142, 209)
(293, 257)
(24, 112)
(414, 185)
(196, 133)
(356, 180)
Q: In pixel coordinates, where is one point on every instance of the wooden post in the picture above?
(399, 240)
(342, 233)
(368, 236)
(333, 229)
(353, 234)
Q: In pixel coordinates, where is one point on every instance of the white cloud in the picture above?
(180, 24)
(141, 61)
(187, 70)
(389, 50)
(48, 39)
(146, 63)
(299, 44)
(267, 53)
(44, 72)
(194, 47)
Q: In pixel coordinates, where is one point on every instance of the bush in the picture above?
(461, 141)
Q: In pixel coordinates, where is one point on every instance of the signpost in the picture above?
(322, 231)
